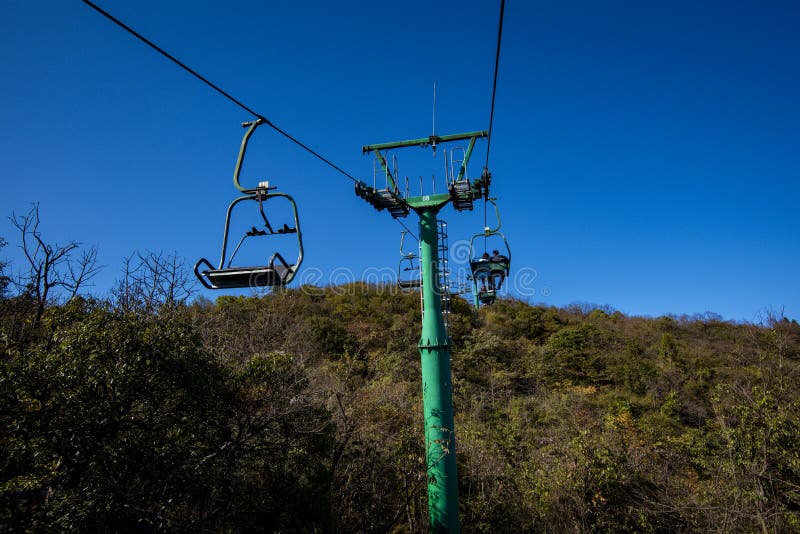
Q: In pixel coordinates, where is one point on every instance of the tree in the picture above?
(55, 272)
(152, 280)
(129, 424)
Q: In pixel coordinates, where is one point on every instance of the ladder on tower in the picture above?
(443, 275)
(444, 272)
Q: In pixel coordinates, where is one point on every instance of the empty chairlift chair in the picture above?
(277, 271)
(408, 272)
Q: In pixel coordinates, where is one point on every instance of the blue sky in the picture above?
(645, 154)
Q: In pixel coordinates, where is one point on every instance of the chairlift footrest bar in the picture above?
(487, 296)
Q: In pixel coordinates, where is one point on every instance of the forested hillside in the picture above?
(301, 411)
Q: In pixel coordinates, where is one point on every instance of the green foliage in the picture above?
(327, 334)
(301, 411)
(668, 349)
(119, 422)
(578, 354)
(99, 388)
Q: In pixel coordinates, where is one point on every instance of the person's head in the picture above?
(485, 255)
(495, 252)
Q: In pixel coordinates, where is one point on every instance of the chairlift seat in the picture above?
(276, 273)
(409, 284)
(239, 277)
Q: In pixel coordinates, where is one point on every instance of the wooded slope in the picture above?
(301, 411)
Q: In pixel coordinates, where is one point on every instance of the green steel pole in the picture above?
(437, 386)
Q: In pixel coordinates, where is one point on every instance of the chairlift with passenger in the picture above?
(489, 270)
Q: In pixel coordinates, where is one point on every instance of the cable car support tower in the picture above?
(434, 342)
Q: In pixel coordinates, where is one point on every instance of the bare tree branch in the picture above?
(53, 273)
(81, 271)
(153, 280)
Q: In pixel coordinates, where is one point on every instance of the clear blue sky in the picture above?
(645, 154)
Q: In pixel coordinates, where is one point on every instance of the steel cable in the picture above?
(218, 89)
(494, 83)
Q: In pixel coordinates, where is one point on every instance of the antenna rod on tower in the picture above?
(433, 134)
(434, 108)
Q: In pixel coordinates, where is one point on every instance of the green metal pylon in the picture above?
(434, 343)
(437, 387)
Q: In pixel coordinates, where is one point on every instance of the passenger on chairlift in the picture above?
(500, 274)
(484, 258)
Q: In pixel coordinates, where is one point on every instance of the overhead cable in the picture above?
(494, 83)
(216, 88)
(227, 95)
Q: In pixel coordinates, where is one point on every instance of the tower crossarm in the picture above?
(432, 141)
